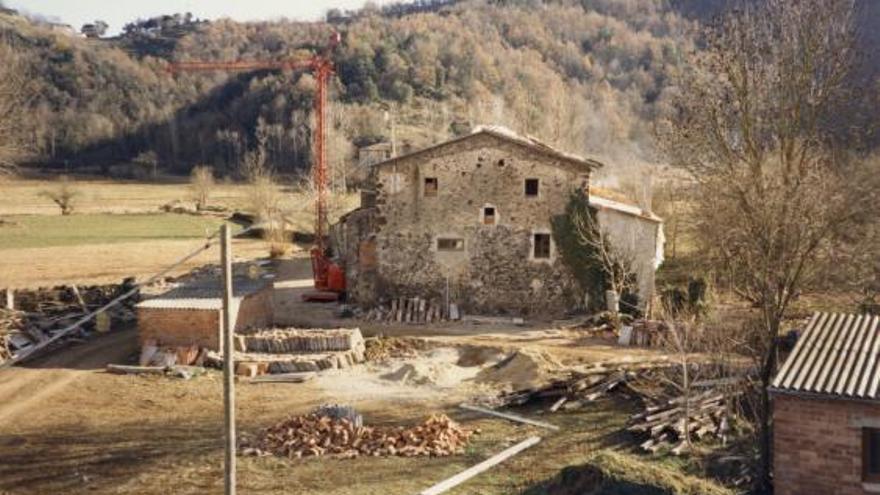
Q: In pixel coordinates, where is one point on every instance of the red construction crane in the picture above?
(329, 277)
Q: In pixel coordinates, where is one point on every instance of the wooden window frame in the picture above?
(432, 187)
(536, 182)
(549, 255)
(867, 451)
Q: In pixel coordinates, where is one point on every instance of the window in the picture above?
(541, 247)
(871, 455)
(430, 187)
(450, 244)
(532, 187)
(489, 215)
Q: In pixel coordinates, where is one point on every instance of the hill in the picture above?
(590, 76)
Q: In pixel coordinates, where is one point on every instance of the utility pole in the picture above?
(228, 361)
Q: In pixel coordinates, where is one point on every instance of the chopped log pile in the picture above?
(669, 422)
(317, 435)
(41, 313)
(413, 310)
(663, 420)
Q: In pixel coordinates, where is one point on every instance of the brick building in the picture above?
(469, 221)
(190, 314)
(826, 409)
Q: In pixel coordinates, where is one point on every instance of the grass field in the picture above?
(118, 229)
(31, 231)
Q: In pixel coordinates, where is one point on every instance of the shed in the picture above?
(190, 314)
(826, 409)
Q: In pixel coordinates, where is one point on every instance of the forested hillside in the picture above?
(589, 75)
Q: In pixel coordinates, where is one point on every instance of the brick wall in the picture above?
(184, 327)
(818, 445)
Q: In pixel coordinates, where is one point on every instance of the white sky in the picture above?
(119, 12)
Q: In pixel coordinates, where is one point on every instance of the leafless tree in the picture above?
(201, 185)
(757, 128)
(63, 194)
(15, 96)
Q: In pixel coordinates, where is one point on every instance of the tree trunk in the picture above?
(765, 414)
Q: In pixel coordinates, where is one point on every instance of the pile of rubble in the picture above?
(318, 435)
(384, 348)
(413, 310)
(41, 313)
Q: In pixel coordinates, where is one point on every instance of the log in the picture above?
(121, 369)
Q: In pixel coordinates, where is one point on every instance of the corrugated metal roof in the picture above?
(838, 355)
(204, 293)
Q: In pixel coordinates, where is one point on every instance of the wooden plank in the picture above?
(511, 417)
(121, 369)
(469, 473)
(285, 378)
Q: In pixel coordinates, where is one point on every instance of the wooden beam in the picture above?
(511, 417)
(469, 473)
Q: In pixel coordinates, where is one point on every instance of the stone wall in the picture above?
(494, 271)
(818, 445)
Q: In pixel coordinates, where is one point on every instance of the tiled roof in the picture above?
(509, 136)
(837, 355)
(204, 294)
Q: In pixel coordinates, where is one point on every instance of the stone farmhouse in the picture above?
(469, 221)
(826, 409)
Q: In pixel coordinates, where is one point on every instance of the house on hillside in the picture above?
(469, 221)
(826, 409)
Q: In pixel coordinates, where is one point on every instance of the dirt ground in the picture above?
(67, 426)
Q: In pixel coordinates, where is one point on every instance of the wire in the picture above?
(209, 242)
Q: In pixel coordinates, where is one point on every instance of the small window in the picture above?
(542, 246)
(449, 244)
(532, 187)
(871, 455)
(431, 186)
(489, 215)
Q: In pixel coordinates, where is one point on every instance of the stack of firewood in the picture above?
(316, 435)
(668, 422)
(413, 310)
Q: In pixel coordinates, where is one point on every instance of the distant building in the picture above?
(826, 409)
(373, 154)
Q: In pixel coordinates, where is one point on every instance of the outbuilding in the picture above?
(826, 409)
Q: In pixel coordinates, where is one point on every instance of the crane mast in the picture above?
(327, 276)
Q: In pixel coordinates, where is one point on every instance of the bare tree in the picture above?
(63, 194)
(757, 128)
(14, 101)
(201, 184)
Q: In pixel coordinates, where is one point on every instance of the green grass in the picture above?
(28, 231)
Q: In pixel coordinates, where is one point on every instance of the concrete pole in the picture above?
(10, 299)
(228, 361)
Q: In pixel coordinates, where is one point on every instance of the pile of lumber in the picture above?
(666, 422)
(41, 313)
(319, 435)
(413, 310)
(571, 393)
(384, 348)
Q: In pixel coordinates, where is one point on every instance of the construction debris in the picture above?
(512, 417)
(413, 310)
(282, 341)
(185, 372)
(668, 422)
(384, 348)
(317, 435)
(41, 313)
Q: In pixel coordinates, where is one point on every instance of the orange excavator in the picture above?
(329, 277)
